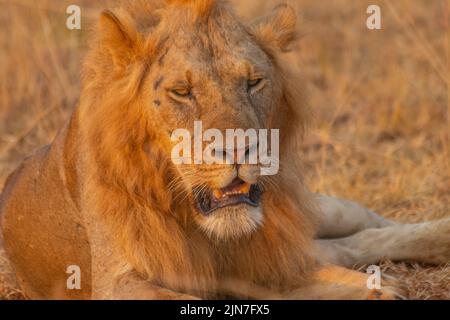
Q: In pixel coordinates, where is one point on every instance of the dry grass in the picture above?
(381, 100)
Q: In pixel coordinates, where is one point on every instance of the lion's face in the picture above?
(227, 82)
(210, 67)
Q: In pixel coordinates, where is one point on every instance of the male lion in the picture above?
(105, 195)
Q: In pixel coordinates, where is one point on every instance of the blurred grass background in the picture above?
(381, 102)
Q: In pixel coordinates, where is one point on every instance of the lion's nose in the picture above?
(247, 154)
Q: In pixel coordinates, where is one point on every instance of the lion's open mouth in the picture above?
(237, 192)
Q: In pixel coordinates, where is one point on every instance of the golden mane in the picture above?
(149, 220)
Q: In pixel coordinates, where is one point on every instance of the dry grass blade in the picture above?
(381, 100)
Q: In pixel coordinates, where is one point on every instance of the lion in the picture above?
(106, 199)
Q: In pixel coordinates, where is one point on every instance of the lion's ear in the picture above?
(118, 33)
(278, 30)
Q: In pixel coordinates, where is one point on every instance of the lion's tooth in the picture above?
(217, 193)
(244, 188)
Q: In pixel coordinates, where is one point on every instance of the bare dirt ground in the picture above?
(381, 102)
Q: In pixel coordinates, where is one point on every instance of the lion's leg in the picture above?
(132, 287)
(341, 218)
(427, 242)
(335, 283)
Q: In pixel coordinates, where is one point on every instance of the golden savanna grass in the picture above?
(380, 98)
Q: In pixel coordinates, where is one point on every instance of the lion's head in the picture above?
(169, 64)
(160, 66)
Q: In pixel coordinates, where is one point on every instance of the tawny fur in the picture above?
(118, 169)
(140, 208)
(106, 196)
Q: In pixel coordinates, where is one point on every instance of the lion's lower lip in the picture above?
(232, 201)
(208, 202)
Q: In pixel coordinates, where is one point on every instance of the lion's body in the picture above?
(105, 195)
(50, 222)
(46, 232)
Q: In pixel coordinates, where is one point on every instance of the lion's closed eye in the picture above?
(255, 84)
(181, 91)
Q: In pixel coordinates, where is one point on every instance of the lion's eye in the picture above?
(253, 83)
(182, 92)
